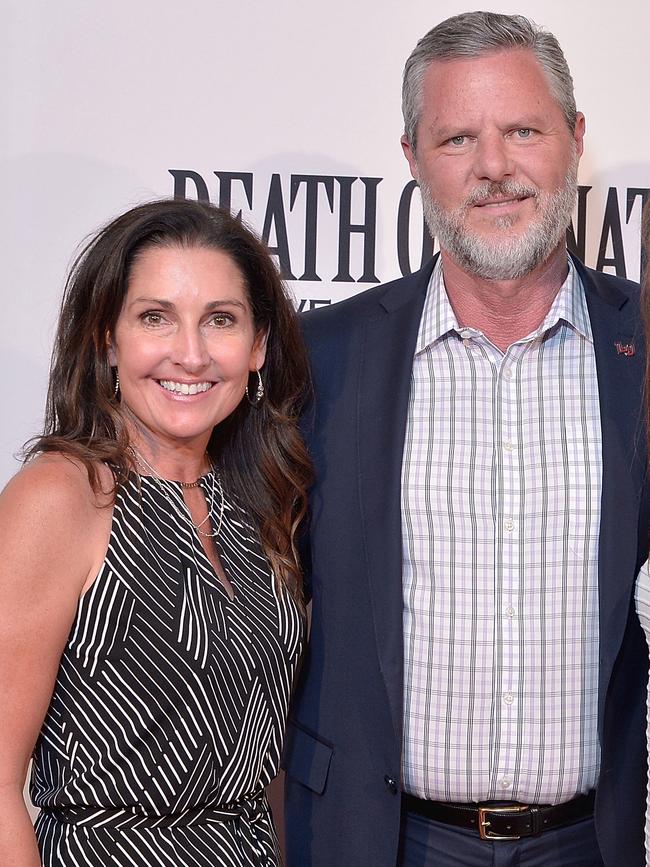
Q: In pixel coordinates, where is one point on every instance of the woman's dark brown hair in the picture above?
(261, 456)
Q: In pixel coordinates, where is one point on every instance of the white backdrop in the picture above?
(102, 101)
(104, 105)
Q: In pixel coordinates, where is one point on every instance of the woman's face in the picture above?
(184, 345)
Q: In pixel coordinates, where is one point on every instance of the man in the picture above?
(475, 524)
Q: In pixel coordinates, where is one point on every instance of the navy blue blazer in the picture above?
(343, 749)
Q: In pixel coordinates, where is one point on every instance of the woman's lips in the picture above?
(185, 388)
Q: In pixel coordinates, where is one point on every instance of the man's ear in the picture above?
(409, 153)
(579, 133)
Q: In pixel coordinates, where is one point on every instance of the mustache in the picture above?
(506, 189)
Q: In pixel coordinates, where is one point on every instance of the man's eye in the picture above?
(458, 140)
(524, 132)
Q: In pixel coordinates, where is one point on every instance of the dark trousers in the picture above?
(425, 843)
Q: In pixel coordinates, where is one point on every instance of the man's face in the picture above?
(496, 162)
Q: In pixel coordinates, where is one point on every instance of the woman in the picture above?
(150, 600)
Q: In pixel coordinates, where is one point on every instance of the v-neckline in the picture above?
(227, 587)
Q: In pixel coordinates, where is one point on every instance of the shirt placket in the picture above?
(509, 532)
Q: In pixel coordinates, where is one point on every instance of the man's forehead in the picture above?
(508, 76)
(487, 62)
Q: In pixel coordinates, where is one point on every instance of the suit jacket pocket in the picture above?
(306, 757)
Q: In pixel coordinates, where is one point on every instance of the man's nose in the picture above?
(493, 160)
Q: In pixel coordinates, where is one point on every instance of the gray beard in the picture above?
(504, 256)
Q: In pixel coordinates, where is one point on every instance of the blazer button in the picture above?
(391, 784)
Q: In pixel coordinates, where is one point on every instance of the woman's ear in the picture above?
(112, 357)
(258, 352)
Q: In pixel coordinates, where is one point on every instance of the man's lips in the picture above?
(500, 201)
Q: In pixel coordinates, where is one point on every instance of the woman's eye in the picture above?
(152, 318)
(221, 320)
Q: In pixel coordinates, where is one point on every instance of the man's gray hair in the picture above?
(473, 34)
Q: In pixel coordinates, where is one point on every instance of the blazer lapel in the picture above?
(620, 364)
(384, 385)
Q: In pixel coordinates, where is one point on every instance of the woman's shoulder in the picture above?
(57, 486)
(53, 525)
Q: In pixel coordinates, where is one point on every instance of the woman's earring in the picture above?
(259, 392)
(117, 384)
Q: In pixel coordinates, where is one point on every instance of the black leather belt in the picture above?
(503, 821)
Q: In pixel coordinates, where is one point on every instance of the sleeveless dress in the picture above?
(169, 708)
(642, 599)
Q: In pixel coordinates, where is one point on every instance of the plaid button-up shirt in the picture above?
(501, 485)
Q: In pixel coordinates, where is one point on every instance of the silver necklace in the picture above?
(215, 484)
(145, 463)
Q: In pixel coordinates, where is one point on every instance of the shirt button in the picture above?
(505, 782)
(466, 334)
(391, 784)
(507, 373)
(510, 611)
(509, 524)
(508, 446)
(508, 697)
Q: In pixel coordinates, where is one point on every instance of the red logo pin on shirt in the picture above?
(627, 349)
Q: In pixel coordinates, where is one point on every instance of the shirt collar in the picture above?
(438, 317)
(570, 306)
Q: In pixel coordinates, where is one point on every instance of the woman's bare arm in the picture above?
(53, 536)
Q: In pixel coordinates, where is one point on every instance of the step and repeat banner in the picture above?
(289, 114)
(286, 112)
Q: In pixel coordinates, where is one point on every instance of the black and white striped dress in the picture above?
(169, 709)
